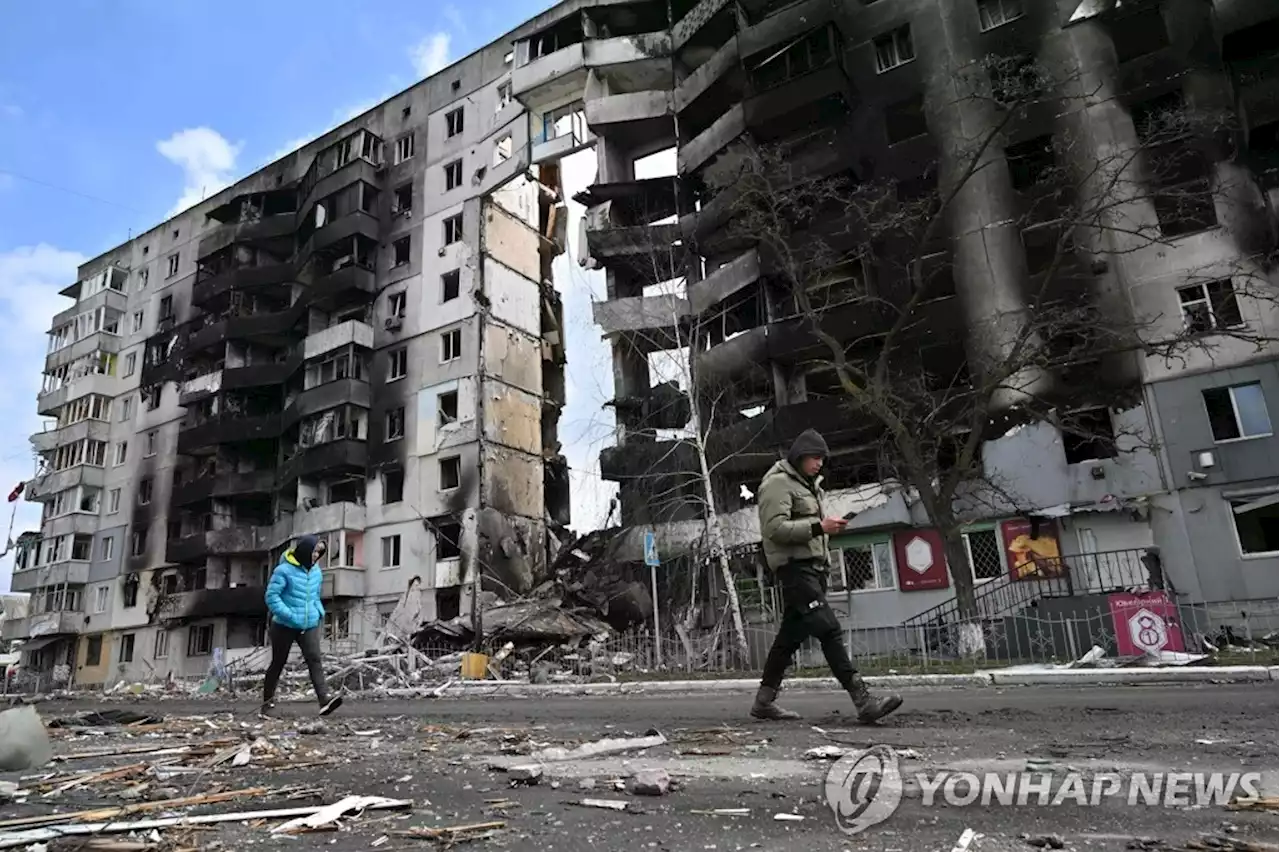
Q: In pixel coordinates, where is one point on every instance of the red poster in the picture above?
(922, 561)
(1037, 558)
(1145, 623)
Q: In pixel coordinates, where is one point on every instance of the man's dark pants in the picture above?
(805, 613)
(282, 639)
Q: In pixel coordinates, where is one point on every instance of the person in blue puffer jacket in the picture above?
(293, 599)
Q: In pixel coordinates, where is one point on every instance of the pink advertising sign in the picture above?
(1145, 623)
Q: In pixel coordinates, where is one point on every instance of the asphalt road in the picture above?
(412, 749)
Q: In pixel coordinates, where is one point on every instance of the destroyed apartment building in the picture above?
(360, 341)
(1177, 468)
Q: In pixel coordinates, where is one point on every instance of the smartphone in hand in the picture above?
(851, 516)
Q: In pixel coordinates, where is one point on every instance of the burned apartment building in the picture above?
(361, 340)
(867, 90)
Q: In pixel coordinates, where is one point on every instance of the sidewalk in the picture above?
(995, 678)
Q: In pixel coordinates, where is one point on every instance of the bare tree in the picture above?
(863, 265)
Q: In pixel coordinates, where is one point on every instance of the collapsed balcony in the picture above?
(332, 442)
(212, 482)
(240, 601)
(238, 269)
(342, 274)
(239, 540)
(228, 419)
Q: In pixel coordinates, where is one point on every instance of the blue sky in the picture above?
(114, 115)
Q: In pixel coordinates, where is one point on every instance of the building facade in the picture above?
(1182, 458)
(362, 341)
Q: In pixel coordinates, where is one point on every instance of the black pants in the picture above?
(805, 613)
(282, 639)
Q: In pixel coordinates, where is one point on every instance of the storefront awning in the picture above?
(39, 642)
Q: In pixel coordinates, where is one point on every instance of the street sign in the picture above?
(651, 550)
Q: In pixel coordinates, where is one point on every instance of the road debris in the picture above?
(24, 743)
(601, 747)
(1250, 803)
(966, 840)
(333, 813)
(1044, 841)
(527, 774)
(723, 812)
(453, 834)
(609, 805)
(649, 782)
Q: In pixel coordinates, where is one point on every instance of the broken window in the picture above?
(453, 229)
(392, 486)
(400, 252)
(453, 175)
(404, 148)
(451, 345)
(1030, 162)
(862, 567)
(1210, 306)
(126, 647)
(905, 119)
(448, 536)
(395, 424)
(504, 95)
(502, 150)
(453, 123)
(1237, 412)
(801, 56)
(93, 651)
(130, 591)
(173, 265)
(144, 492)
(391, 551)
(450, 473)
(448, 603)
(337, 625)
(995, 13)
(1139, 34)
(402, 200)
(1255, 523)
(397, 364)
(200, 640)
(447, 407)
(894, 48)
(1088, 435)
(450, 285)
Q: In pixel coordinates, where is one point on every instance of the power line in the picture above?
(69, 191)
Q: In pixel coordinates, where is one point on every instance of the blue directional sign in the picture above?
(651, 549)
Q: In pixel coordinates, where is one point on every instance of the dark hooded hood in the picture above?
(305, 551)
(809, 443)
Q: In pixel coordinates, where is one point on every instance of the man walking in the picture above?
(293, 599)
(794, 532)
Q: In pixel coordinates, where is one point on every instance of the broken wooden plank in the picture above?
(126, 810)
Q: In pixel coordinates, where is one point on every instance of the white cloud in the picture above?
(431, 54)
(30, 278)
(207, 160)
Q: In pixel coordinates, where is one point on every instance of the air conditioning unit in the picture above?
(393, 323)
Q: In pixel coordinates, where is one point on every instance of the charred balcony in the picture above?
(236, 541)
(642, 459)
(358, 157)
(341, 455)
(342, 274)
(267, 322)
(272, 232)
(252, 375)
(229, 419)
(222, 484)
(246, 601)
(238, 269)
(334, 220)
(804, 85)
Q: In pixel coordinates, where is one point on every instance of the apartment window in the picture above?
(126, 647)
(1030, 162)
(453, 229)
(173, 265)
(453, 175)
(200, 640)
(144, 492)
(138, 317)
(450, 285)
(504, 96)
(122, 453)
(1139, 34)
(1088, 435)
(130, 591)
(1237, 412)
(161, 648)
(994, 13)
(393, 486)
(337, 625)
(447, 406)
(448, 536)
(894, 48)
(391, 551)
(451, 345)
(400, 252)
(101, 599)
(396, 304)
(450, 473)
(404, 148)
(453, 122)
(395, 424)
(152, 439)
(502, 150)
(113, 501)
(905, 120)
(1206, 307)
(862, 567)
(143, 275)
(93, 651)
(138, 542)
(107, 548)
(82, 548)
(126, 409)
(151, 397)
(398, 364)
(1255, 522)
(402, 200)
(130, 364)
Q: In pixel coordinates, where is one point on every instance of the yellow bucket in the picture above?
(475, 666)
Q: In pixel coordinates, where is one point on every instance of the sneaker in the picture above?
(329, 706)
(267, 710)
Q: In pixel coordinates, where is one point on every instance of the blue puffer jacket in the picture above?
(293, 595)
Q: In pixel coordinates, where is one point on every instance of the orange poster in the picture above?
(1032, 558)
